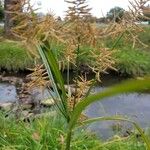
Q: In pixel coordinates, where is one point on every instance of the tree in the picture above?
(10, 6)
(115, 14)
(59, 18)
(1, 11)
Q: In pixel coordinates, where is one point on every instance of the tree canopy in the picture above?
(115, 14)
(1, 11)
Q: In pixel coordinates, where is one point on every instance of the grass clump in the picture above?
(13, 56)
(49, 133)
(133, 62)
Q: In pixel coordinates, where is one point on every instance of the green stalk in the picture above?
(55, 76)
(68, 72)
(48, 69)
(68, 140)
(58, 79)
(76, 72)
(128, 86)
(88, 92)
(117, 41)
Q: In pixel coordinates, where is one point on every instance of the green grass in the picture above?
(13, 56)
(41, 134)
(132, 62)
(145, 36)
(49, 133)
(131, 144)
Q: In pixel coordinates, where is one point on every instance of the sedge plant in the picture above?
(74, 34)
(73, 117)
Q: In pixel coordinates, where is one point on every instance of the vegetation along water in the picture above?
(44, 110)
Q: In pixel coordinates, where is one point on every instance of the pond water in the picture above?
(134, 105)
(7, 93)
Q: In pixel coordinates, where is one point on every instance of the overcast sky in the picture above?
(99, 7)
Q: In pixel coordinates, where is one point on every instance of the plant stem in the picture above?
(88, 92)
(68, 72)
(68, 140)
(76, 72)
(117, 41)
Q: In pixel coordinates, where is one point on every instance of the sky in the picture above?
(99, 7)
